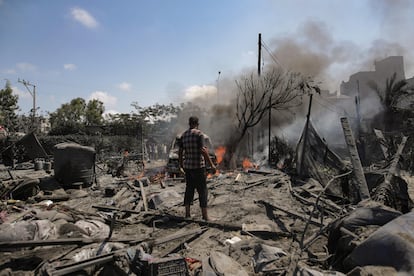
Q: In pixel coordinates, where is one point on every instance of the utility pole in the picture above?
(358, 110)
(305, 137)
(259, 59)
(259, 50)
(259, 71)
(270, 129)
(360, 140)
(33, 94)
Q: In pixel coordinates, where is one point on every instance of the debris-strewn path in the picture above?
(262, 222)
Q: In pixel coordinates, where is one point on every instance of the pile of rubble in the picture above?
(263, 221)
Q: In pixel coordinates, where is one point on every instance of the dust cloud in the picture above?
(313, 51)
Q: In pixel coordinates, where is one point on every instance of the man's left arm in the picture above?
(180, 155)
(206, 155)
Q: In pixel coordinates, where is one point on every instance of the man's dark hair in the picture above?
(193, 120)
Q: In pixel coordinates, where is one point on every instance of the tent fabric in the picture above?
(391, 245)
(33, 148)
(27, 230)
(264, 257)
(94, 228)
(224, 265)
(319, 162)
(372, 214)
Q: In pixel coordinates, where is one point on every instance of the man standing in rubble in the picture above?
(193, 156)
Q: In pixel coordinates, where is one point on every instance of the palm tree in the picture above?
(389, 97)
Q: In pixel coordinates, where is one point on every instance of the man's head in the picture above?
(193, 121)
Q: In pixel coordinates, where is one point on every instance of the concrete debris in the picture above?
(71, 218)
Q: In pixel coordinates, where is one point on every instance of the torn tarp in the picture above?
(391, 245)
(354, 227)
(32, 146)
(27, 148)
(317, 161)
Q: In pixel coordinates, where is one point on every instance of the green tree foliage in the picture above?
(94, 111)
(393, 91)
(72, 117)
(8, 108)
(123, 124)
(157, 112)
(25, 123)
(157, 120)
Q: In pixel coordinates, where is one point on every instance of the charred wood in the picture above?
(7, 246)
(291, 213)
(356, 162)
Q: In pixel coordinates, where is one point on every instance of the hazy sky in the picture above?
(166, 51)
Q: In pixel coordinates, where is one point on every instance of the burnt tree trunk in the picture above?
(232, 145)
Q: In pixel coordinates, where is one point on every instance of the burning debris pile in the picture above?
(329, 217)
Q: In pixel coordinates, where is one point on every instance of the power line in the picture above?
(331, 104)
(33, 94)
(274, 58)
(326, 105)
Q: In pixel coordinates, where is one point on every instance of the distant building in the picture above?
(44, 125)
(359, 83)
(384, 69)
(407, 102)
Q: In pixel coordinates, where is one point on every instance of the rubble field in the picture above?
(263, 221)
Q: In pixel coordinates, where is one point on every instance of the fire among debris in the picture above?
(311, 210)
(247, 164)
(220, 151)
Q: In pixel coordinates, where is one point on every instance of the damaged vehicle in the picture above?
(173, 164)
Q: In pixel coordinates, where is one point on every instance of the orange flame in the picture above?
(220, 151)
(136, 177)
(247, 164)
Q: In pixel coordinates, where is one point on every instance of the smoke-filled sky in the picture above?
(164, 51)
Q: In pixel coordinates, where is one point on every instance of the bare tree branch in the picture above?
(275, 89)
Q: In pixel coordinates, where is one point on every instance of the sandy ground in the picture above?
(234, 207)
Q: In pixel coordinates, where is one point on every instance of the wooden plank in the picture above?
(179, 235)
(382, 192)
(110, 208)
(215, 224)
(382, 142)
(325, 201)
(394, 164)
(355, 160)
(69, 241)
(295, 256)
(73, 267)
(291, 213)
(253, 185)
(143, 194)
(176, 248)
(138, 206)
(221, 225)
(119, 194)
(322, 207)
